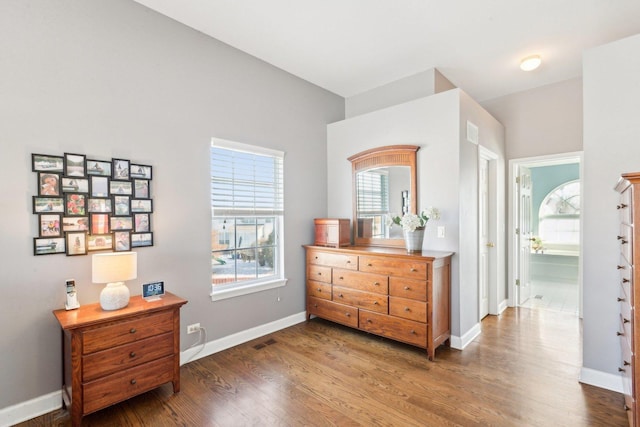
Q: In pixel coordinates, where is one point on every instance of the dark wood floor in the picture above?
(521, 371)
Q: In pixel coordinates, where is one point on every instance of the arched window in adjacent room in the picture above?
(559, 219)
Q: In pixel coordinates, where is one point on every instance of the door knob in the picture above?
(490, 245)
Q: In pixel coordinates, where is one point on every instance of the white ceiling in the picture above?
(351, 46)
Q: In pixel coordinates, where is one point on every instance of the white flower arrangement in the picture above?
(411, 222)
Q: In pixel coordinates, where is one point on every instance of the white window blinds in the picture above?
(246, 180)
(373, 192)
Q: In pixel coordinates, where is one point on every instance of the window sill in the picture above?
(223, 292)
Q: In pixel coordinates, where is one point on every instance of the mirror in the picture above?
(384, 181)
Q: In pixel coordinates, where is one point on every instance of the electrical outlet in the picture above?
(193, 328)
(441, 232)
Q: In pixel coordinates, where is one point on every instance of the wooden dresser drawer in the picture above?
(408, 309)
(125, 332)
(330, 259)
(319, 273)
(408, 331)
(368, 300)
(394, 267)
(625, 238)
(318, 289)
(106, 362)
(368, 282)
(333, 311)
(408, 288)
(124, 384)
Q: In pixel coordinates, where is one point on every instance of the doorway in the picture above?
(545, 268)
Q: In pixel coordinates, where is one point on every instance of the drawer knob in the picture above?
(348, 314)
(348, 261)
(319, 274)
(132, 331)
(341, 278)
(620, 369)
(624, 242)
(315, 305)
(319, 289)
(620, 299)
(619, 334)
(340, 295)
(376, 303)
(406, 288)
(132, 354)
(626, 408)
(621, 206)
(369, 265)
(133, 381)
(625, 320)
(369, 321)
(620, 267)
(407, 309)
(620, 237)
(376, 284)
(626, 363)
(413, 332)
(413, 269)
(624, 280)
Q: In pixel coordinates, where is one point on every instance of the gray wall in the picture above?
(110, 78)
(611, 147)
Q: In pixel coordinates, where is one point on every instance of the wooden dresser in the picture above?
(384, 291)
(629, 207)
(110, 356)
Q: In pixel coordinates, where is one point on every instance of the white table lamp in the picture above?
(113, 269)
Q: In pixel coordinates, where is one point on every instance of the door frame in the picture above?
(492, 210)
(512, 238)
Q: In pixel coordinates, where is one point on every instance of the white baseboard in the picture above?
(502, 306)
(24, 411)
(459, 343)
(224, 343)
(601, 379)
(50, 402)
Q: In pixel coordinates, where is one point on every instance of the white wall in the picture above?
(435, 124)
(114, 79)
(542, 121)
(611, 76)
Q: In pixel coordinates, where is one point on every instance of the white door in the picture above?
(484, 240)
(524, 234)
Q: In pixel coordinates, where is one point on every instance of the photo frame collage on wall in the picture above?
(86, 205)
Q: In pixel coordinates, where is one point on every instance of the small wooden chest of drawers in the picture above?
(110, 356)
(332, 232)
(384, 291)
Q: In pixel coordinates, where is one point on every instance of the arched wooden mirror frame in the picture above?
(391, 155)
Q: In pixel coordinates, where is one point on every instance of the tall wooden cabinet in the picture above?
(384, 291)
(629, 290)
(110, 356)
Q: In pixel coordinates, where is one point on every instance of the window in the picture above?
(559, 219)
(247, 207)
(373, 196)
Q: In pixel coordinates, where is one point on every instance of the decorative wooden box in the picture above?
(333, 232)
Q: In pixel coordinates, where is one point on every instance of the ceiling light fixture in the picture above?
(530, 63)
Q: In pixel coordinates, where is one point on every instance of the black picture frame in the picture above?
(48, 246)
(76, 242)
(121, 223)
(121, 205)
(75, 165)
(141, 206)
(139, 171)
(75, 204)
(75, 185)
(48, 204)
(99, 205)
(99, 186)
(120, 188)
(46, 163)
(99, 167)
(100, 223)
(75, 223)
(142, 223)
(139, 240)
(50, 225)
(142, 188)
(100, 242)
(121, 241)
(120, 170)
(49, 184)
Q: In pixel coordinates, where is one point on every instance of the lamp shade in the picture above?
(114, 267)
